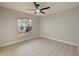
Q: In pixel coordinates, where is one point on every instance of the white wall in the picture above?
(61, 25)
(8, 25)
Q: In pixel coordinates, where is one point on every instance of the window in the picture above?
(24, 25)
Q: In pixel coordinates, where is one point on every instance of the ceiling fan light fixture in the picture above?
(38, 10)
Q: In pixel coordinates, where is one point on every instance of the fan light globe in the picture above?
(38, 10)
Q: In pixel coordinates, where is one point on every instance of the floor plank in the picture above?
(39, 47)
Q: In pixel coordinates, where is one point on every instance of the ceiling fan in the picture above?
(38, 9)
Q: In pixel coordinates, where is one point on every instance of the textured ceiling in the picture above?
(54, 6)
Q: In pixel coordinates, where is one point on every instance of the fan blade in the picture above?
(42, 12)
(45, 8)
(35, 12)
(35, 5)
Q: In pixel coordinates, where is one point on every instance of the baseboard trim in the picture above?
(44, 36)
(10, 43)
(48, 37)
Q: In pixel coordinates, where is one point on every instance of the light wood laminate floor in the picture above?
(39, 47)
